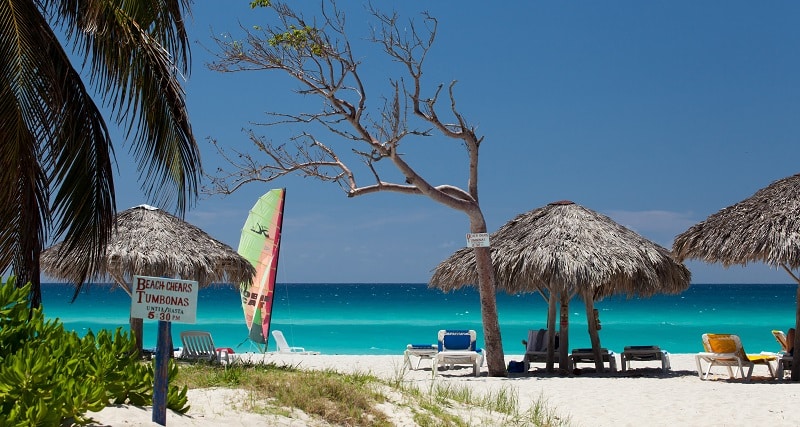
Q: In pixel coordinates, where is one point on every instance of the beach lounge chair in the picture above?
(784, 364)
(784, 358)
(727, 350)
(458, 347)
(198, 345)
(536, 348)
(586, 355)
(643, 353)
(421, 351)
(781, 338)
(284, 347)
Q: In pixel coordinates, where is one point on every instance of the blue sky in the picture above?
(656, 114)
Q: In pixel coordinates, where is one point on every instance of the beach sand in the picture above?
(640, 396)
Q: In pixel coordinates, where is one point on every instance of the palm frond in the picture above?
(80, 162)
(25, 115)
(136, 53)
(56, 140)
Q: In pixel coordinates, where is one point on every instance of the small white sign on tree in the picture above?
(159, 298)
(478, 240)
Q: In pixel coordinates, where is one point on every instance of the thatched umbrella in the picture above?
(566, 249)
(150, 242)
(763, 228)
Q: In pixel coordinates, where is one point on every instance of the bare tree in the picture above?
(318, 56)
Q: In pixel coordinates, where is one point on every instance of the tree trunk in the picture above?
(36, 281)
(495, 358)
(137, 333)
(796, 343)
(551, 331)
(593, 336)
(563, 334)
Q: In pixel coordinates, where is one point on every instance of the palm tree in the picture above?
(56, 150)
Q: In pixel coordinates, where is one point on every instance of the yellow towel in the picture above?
(725, 343)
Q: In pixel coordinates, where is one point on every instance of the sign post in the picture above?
(165, 300)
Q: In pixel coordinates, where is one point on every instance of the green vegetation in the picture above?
(355, 399)
(305, 38)
(50, 376)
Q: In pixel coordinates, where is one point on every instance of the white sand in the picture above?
(639, 397)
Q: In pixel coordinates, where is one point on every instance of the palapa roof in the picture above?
(567, 247)
(763, 228)
(150, 242)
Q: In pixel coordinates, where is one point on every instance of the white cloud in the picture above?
(654, 220)
(657, 225)
(448, 245)
(206, 217)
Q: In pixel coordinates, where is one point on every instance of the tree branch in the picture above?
(319, 57)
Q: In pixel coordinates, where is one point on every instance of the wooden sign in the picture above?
(159, 298)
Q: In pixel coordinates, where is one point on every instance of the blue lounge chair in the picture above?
(458, 347)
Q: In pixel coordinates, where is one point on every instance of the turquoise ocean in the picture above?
(383, 318)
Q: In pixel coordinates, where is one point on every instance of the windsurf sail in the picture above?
(260, 243)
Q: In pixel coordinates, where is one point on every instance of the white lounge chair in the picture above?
(284, 347)
(727, 350)
(458, 347)
(781, 338)
(198, 345)
(643, 353)
(421, 351)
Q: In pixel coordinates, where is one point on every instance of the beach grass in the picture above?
(360, 399)
(337, 399)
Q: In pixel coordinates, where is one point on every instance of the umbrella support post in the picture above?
(795, 370)
(163, 350)
(563, 335)
(551, 331)
(591, 322)
(136, 323)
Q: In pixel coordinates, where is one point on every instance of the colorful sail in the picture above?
(260, 244)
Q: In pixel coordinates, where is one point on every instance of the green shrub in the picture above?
(51, 376)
